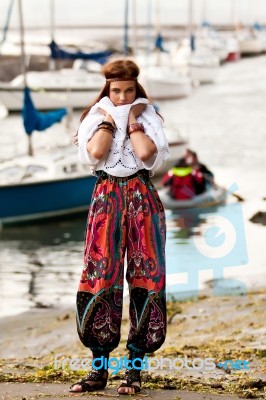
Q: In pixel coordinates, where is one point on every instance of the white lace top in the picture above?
(121, 160)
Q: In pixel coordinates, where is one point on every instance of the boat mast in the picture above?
(190, 26)
(157, 18)
(157, 28)
(52, 29)
(148, 32)
(22, 44)
(126, 29)
(234, 15)
(23, 62)
(6, 26)
(204, 12)
(134, 22)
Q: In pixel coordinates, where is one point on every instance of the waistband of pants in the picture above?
(142, 173)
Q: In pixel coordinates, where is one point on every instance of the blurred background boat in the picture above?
(204, 66)
(65, 87)
(213, 196)
(249, 42)
(165, 83)
(52, 89)
(36, 188)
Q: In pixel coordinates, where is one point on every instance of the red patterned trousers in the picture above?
(126, 217)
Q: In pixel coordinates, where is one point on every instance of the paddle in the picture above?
(210, 180)
(238, 197)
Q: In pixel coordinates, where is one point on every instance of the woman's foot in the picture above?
(132, 383)
(95, 380)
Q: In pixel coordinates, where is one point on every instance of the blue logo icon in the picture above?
(234, 365)
(216, 241)
(214, 237)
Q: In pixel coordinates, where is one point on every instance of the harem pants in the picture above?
(125, 215)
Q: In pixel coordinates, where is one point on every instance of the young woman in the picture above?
(122, 139)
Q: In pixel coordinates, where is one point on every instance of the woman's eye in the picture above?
(130, 90)
(116, 90)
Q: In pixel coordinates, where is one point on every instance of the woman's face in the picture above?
(122, 92)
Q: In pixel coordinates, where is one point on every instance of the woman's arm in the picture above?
(142, 145)
(99, 145)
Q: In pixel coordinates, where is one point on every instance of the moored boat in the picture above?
(53, 89)
(204, 66)
(34, 188)
(165, 83)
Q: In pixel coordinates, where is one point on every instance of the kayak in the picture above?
(214, 195)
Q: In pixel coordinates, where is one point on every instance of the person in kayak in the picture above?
(201, 183)
(183, 180)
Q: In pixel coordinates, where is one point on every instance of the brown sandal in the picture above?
(93, 376)
(132, 375)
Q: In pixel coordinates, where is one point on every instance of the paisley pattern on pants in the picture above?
(126, 217)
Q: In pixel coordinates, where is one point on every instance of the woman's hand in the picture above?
(137, 109)
(134, 112)
(102, 111)
(108, 117)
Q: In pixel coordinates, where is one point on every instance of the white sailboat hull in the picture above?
(53, 89)
(164, 83)
(47, 99)
(204, 74)
(250, 46)
(163, 89)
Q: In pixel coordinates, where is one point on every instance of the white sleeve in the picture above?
(90, 123)
(86, 130)
(153, 126)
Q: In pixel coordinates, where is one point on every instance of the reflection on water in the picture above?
(47, 233)
(183, 223)
(182, 227)
(41, 264)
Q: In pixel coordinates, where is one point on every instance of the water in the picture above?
(225, 123)
(43, 268)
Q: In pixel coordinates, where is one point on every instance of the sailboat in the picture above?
(162, 80)
(67, 87)
(73, 88)
(40, 187)
(251, 37)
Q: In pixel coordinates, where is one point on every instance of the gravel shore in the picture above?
(224, 328)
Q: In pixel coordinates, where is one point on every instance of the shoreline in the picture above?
(182, 297)
(223, 328)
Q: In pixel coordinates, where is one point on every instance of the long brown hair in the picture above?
(117, 69)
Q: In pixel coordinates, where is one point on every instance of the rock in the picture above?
(259, 218)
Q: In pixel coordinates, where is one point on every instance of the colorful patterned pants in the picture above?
(126, 217)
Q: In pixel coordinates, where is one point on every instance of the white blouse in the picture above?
(121, 160)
